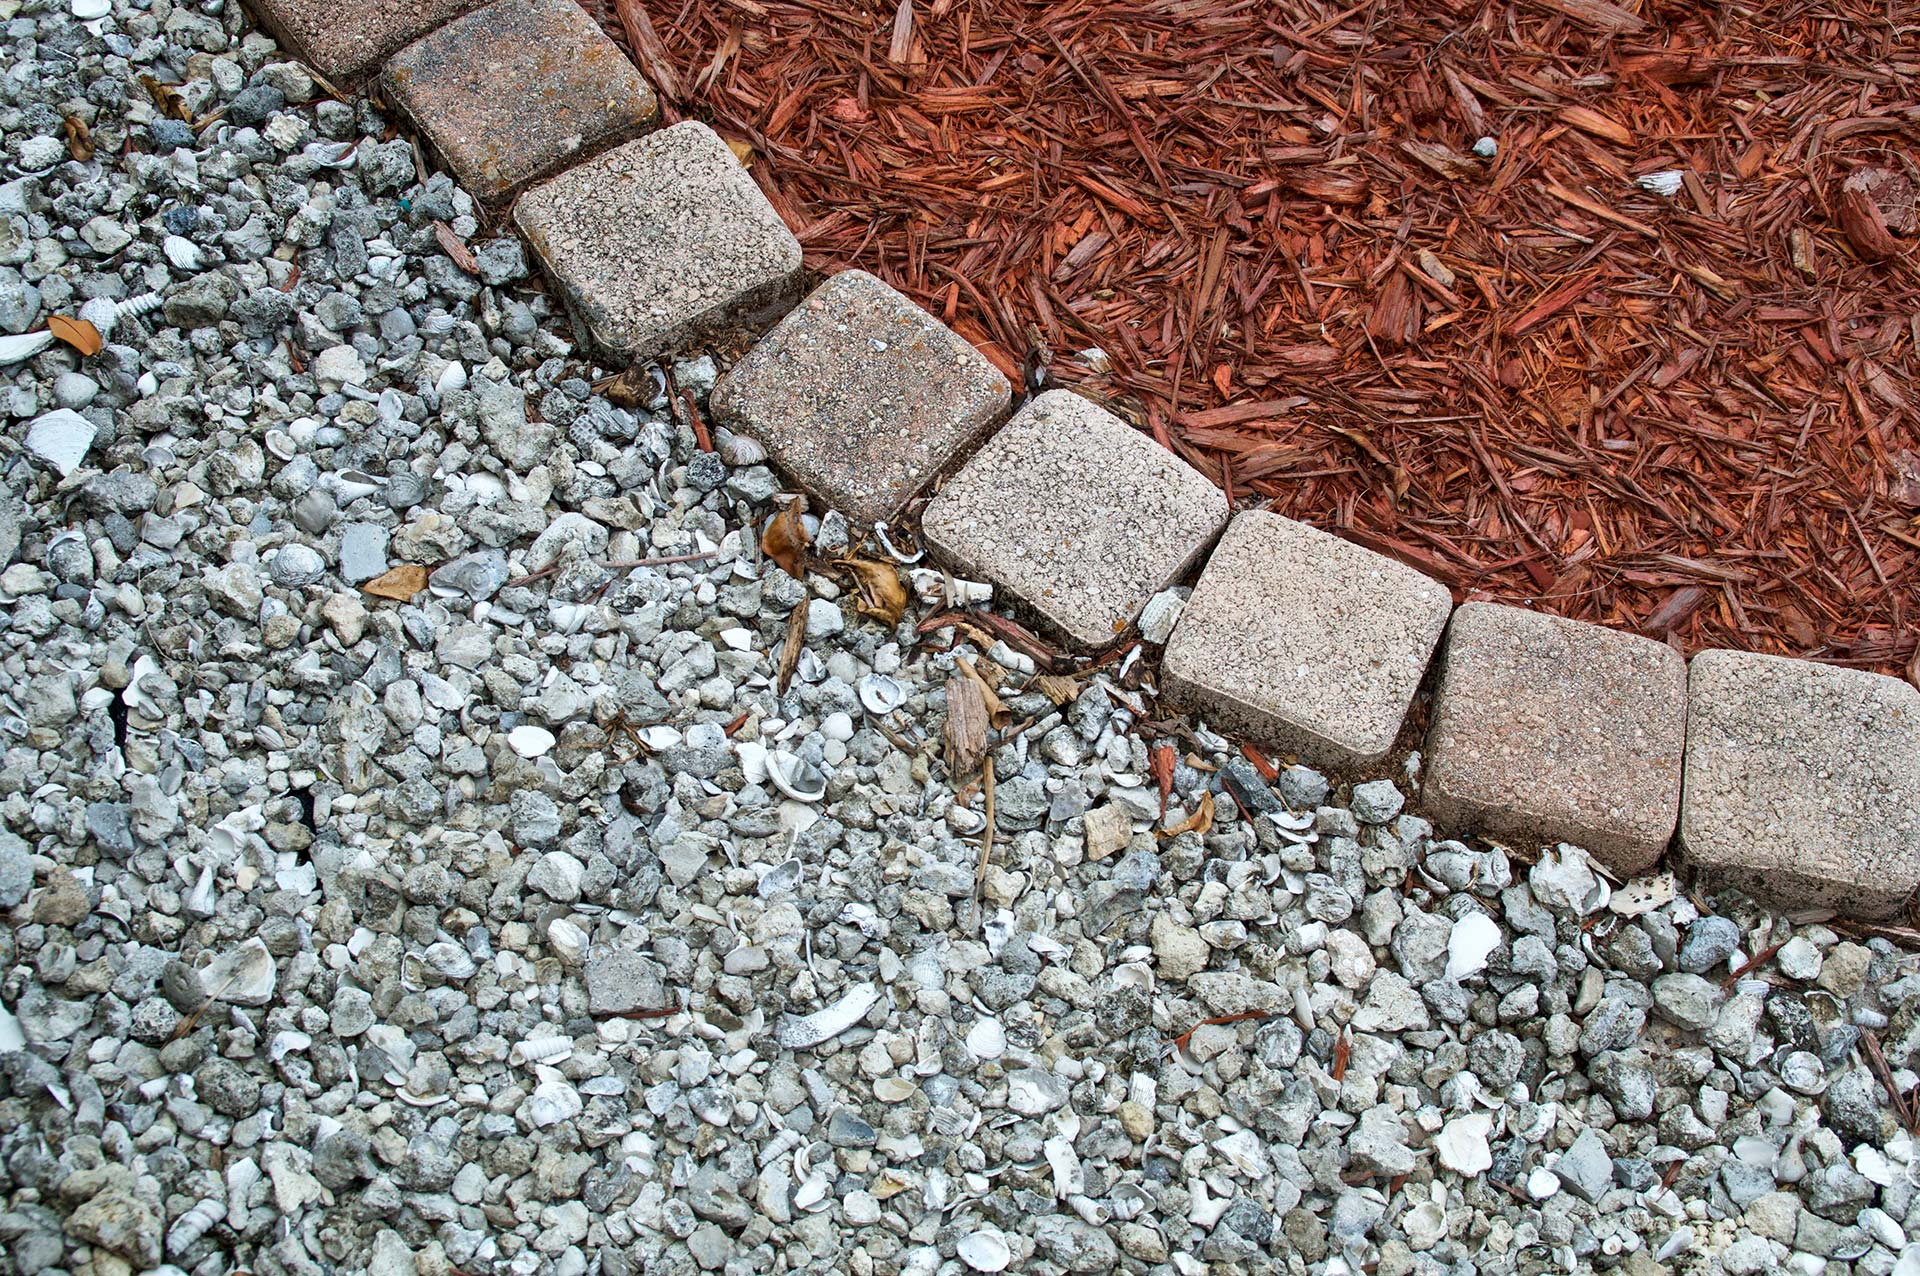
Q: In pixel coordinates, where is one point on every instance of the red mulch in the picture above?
(1694, 416)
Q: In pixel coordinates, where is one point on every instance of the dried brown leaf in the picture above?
(79, 138)
(455, 247)
(796, 639)
(1199, 822)
(78, 333)
(880, 594)
(786, 541)
(400, 584)
(167, 98)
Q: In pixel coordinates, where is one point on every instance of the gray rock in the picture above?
(1586, 1168)
(1709, 942)
(621, 982)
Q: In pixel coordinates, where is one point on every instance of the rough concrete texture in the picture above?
(661, 240)
(1803, 782)
(346, 40)
(1076, 515)
(1549, 730)
(862, 396)
(516, 91)
(1304, 641)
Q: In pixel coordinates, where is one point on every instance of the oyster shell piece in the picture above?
(803, 1032)
(985, 1251)
(1162, 613)
(795, 776)
(243, 976)
(987, 1039)
(880, 694)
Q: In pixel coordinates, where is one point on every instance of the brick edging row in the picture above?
(1796, 781)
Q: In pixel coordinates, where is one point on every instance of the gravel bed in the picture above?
(337, 927)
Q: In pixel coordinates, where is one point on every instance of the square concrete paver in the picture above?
(1803, 782)
(1304, 641)
(346, 40)
(862, 396)
(1550, 730)
(1076, 515)
(660, 241)
(516, 91)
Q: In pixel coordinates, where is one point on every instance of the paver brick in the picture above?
(513, 92)
(1802, 782)
(1076, 515)
(1304, 641)
(346, 40)
(1551, 730)
(862, 396)
(660, 241)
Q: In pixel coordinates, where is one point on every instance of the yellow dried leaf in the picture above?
(167, 98)
(400, 584)
(880, 593)
(79, 138)
(796, 639)
(741, 151)
(1199, 822)
(78, 333)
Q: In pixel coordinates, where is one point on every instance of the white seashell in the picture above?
(1245, 1153)
(88, 10)
(287, 1042)
(244, 976)
(452, 377)
(657, 738)
(796, 777)
(1666, 182)
(537, 1051)
(985, 1251)
(813, 1193)
(569, 940)
(531, 741)
(1678, 1243)
(1472, 941)
(61, 439)
(737, 449)
(182, 252)
(1644, 894)
(803, 1032)
(881, 695)
(1486, 148)
(987, 1039)
(1130, 1201)
(25, 346)
(329, 154)
(1133, 974)
(737, 639)
(1069, 1177)
(893, 1089)
(1462, 1144)
(194, 1224)
(553, 1101)
(893, 551)
(781, 878)
(1162, 613)
(449, 960)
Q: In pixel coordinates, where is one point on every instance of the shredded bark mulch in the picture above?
(1650, 364)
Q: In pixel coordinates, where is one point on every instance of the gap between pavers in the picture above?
(661, 241)
(862, 397)
(347, 40)
(1802, 782)
(1304, 641)
(516, 91)
(1075, 515)
(1549, 730)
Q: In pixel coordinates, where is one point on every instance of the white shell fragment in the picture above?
(88, 10)
(1244, 1151)
(1665, 183)
(554, 1100)
(985, 1251)
(803, 1032)
(61, 439)
(569, 940)
(243, 976)
(1462, 1144)
(183, 253)
(530, 741)
(1644, 894)
(881, 695)
(1486, 147)
(987, 1039)
(795, 776)
(1162, 613)
(14, 349)
(1472, 941)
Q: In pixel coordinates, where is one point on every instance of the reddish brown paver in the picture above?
(660, 241)
(1302, 640)
(346, 40)
(862, 396)
(1550, 730)
(1076, 515)
(516, 91)
(1803, 782)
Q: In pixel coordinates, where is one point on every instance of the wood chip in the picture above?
(966, 726)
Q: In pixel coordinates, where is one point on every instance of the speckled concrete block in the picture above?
(1304, 641)
(516, 91)
(346, 40)
(862, 396)
(660, 241)
(1075, 515)
(1803, 782)
(1549, 730)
